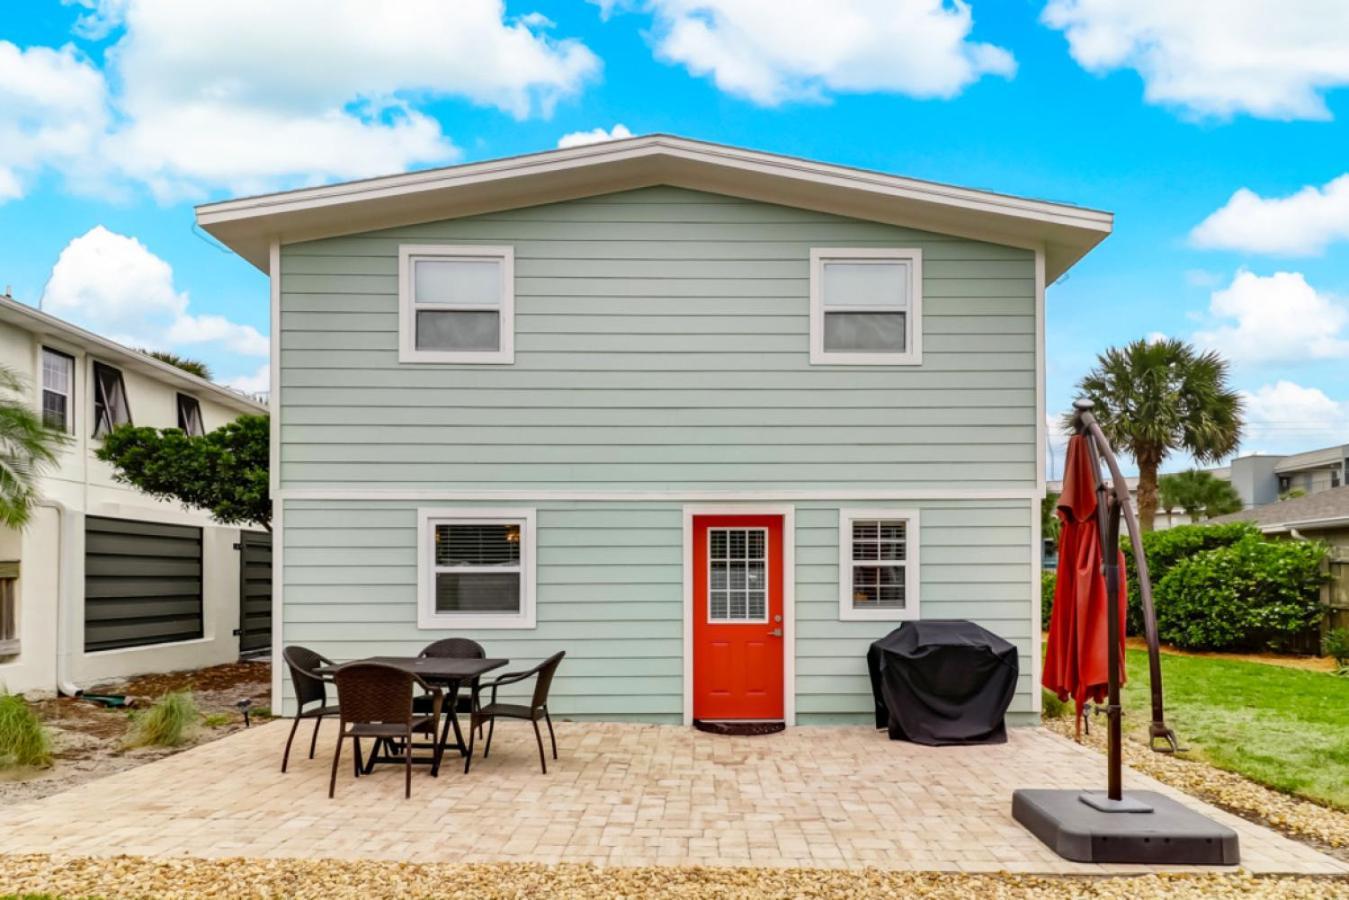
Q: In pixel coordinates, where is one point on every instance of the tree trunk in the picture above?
(1147, 492)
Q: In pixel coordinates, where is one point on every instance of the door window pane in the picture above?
(737, 574)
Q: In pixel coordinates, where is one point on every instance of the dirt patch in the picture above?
(89, 740)
(127, 876)
(1308, 663)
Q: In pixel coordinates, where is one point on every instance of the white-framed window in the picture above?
(878, 564)
(456, 304)
(476, 568)
(866, 306)
(111, 409)
(58, 388)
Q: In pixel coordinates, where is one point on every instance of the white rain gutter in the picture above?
(63, 582)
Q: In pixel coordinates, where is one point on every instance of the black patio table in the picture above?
(450, 672)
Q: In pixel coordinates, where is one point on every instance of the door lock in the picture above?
(776, 632)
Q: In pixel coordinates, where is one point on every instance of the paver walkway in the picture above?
(621, 794)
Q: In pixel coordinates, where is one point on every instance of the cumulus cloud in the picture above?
(1287, 416)
(593, 136)
(52, 111)
(1301, 224)
(259, 382)
(252, 95)
(1277, 318)
(115, 286)
(772, 52)
(1216, 57)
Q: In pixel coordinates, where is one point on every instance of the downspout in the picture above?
(63, 683)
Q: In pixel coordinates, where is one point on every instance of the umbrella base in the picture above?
(1168, 833)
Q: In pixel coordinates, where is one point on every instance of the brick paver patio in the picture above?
(621, 794)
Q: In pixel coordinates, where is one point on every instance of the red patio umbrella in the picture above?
(1077, 658)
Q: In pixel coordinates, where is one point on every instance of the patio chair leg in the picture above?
(491, 726)
(407, 764)
(552, 737)
(314, 741)
(337, 755)
(285, 757)
(468, 756)
(543, 760)
(356, 753)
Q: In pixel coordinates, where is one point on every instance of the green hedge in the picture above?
(1164, 549)
(1047, 579)
(1249, 595)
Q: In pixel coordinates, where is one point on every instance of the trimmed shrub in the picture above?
(1166, 548)
(1250, 595)
(1047, 581)
(23, 738)
(170, 722)
(1052, 707)
(1336, 645)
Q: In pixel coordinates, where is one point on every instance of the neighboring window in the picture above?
(737, 562)
(878, 564)
(475, 568)
(456, 304)
(9, 609)
(866, 306)
(1285, 483)
(110, 406)
(189, 416)
(58, 386)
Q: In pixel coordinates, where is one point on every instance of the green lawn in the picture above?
(1283, 727)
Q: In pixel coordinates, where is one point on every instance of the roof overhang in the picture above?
(45, 325)
(250, 224)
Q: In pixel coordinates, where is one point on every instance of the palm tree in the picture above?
(1170, 496)
(191, 366)
(1153, 398)
(1198, 493)
(27, 448)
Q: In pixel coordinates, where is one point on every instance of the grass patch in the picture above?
(170, 722)
(1286, 728)
(1052, 707)
(23, 738)
(217, 720)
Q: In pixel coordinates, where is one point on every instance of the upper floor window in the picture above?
(189, 416)
(58, 389)
(456, 304)
(110, 404)
(866, 306)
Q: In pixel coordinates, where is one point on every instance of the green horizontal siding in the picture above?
(610, 593)
(661, 342)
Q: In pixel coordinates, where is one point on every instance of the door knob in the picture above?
(776, 632)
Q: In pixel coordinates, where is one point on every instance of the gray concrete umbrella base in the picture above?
(1168, 833)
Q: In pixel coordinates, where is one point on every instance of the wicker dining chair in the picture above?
(309, 688)
(537, 708)
(453, 648)
(377, 703)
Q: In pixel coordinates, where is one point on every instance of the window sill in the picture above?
(823, 358)
(469, 357)
(440, 622)
(878, 615)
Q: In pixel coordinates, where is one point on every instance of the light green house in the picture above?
(709, 419)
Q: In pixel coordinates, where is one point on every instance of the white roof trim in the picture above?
(1328, 522)
(43, 324)
(247, 225)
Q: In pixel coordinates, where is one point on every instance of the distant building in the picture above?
(1261, 478)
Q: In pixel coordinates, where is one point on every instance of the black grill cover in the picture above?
(943, 682)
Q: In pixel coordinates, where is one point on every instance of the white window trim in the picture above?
(407, 320)
(846, 612)
(68, 393)
(913, 354)
(427, 519)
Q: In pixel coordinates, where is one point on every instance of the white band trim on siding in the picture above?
(1026, 493)
(1041, 413)
(274, 378)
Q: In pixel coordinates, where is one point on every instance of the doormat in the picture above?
(740, 729)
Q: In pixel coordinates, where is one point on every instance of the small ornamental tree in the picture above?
(223, 472)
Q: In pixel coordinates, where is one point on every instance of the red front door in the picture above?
(737, 617)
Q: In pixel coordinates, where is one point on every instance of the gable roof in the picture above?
(1324, 509)
(248, 225)
(40, 323)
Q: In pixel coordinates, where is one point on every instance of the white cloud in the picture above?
(51, 113)
(113, 285)
(1276, 318)
(1301, 224)
(1286, 416)
(772, 52)
(1216, 57)
(593, 136)
(253, 95)
(257, 383)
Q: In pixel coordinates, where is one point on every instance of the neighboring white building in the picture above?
(106, 581)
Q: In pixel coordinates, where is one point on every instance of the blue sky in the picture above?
(122, 114)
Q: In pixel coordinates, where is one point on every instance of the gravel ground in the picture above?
(1326, 828)
(300, 879)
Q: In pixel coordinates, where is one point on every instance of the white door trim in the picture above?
(788, 514)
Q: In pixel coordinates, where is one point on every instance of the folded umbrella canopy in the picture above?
(1076, 659)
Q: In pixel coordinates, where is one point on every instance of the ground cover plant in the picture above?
(23, 739)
